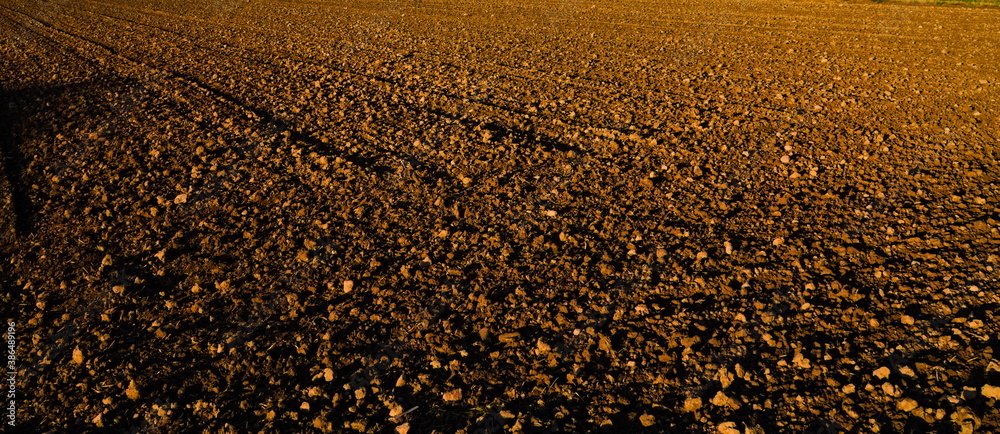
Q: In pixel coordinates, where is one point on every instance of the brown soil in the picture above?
(689, 216)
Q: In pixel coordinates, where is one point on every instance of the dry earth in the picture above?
(688, 216)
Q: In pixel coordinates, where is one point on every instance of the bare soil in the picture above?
(501, 216)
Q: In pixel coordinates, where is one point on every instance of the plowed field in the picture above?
(501, 216)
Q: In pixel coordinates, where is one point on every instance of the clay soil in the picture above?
(501, 216)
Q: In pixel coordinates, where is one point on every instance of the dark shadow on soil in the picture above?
(13, 167)
(26, 115)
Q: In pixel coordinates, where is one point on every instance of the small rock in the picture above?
(907, 404)
(77, 356)
(801, 361)
(692, 404)
(604, 343)
(132, 392)
(454, 395)
(721, 400)
(509, 337)
(348, 285)
(543, 347)
(728, 428)
(990, 391)
(647, 420)
(882, 372)
(725, 378)
(396, 410)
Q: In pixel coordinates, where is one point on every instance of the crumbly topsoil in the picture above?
(423, 216)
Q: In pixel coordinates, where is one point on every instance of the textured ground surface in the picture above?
(700, 216)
